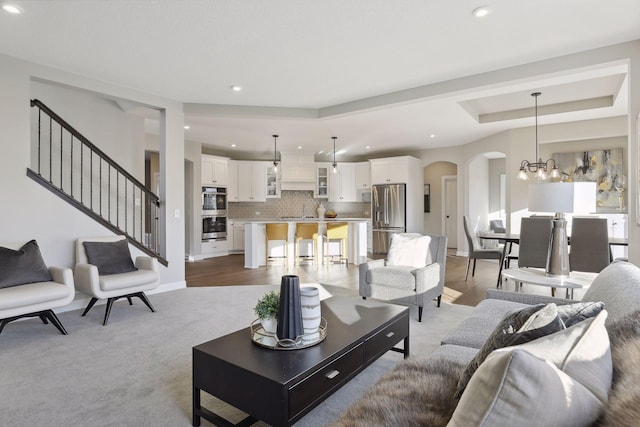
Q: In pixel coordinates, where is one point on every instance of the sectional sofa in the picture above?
(525, 360)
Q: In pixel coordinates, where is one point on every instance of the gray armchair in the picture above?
(406, 284)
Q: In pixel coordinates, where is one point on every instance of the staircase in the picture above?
(70, 166)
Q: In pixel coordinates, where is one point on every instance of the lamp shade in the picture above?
(564, 197)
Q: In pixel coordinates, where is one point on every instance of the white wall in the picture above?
(478, 194)
(433, 174)
(29, 210)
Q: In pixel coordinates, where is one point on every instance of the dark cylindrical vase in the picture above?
(290, 310)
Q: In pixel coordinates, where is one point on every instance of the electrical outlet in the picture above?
(257, 213)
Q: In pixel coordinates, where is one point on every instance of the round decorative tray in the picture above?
(269, 340)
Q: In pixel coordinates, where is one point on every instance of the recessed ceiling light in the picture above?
(233, 145)
(236, 88)
(12, 8)
(299, 147)
(187, 127)
(481, 11)
(367, 147)
(433, 135)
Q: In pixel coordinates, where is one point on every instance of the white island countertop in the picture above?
(255, 248)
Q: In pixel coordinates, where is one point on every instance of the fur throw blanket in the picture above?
(624, 398)
(418, 392)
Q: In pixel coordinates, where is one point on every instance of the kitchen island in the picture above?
(255, 251)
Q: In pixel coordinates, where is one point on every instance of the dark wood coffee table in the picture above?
(280, 386)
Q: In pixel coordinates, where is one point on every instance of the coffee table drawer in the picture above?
(325, 380)
(384, 340)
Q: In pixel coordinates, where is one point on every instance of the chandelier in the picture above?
(539, 169)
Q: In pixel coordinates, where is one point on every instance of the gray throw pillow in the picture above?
(518, 327)
(571, 314)
(22, 266)
(110, 257)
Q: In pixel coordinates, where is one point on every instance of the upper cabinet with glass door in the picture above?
(273, 182)
(321, 190)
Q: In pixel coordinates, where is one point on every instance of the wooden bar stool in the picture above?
(306, 231)
(337, 231)
(277, 232)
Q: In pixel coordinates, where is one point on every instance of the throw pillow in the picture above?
(110, 257)
(618, 287)
(417, 392)
(559, 379)
(22, 266)
(514, 328)
(570, 314)
(408, 251)
(515, 388)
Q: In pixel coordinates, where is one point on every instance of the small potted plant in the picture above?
(267, 311)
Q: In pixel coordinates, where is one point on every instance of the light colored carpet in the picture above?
(137, 370)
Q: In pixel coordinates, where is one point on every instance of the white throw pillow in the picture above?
(408, 251)
(559, 379)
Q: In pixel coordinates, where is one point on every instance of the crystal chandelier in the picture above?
(539, 168)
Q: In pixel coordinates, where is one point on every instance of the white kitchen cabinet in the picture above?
(232, 181)
(390, 170)
(273, 182)
(363, 176)
(342, 184)
(235, 236)
(252, 182)
(214, 170)
(214, 248)
(238, 236)
(321, 189)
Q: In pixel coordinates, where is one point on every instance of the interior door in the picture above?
(450, 204)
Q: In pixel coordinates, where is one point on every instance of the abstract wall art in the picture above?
(604, 167)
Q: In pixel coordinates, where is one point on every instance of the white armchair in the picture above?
(113, 285)
(407, 283)
(34, 299)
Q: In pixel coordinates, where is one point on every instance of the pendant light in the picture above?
(334, 164)
(275, 157)
(538, 168)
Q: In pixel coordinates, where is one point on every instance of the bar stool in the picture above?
(306, 231)
(337, 231)
(277, 232)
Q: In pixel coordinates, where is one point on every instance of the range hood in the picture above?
(298, 172)
(297, 185)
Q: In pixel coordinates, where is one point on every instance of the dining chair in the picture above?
(535, 233)
(589, 250)
(475, 250)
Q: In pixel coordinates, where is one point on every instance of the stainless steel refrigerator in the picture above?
(388, 209)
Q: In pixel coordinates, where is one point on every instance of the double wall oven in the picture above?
(214, 213)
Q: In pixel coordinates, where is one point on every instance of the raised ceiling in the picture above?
(303, 63)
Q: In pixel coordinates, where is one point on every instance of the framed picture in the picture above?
(427, 197)
(604, 167)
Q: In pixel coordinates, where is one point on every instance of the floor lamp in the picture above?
(561, 198)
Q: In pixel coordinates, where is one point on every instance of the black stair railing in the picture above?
(72, 167)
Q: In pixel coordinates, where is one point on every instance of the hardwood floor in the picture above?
(229, 270)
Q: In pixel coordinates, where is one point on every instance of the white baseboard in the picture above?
(81, 300)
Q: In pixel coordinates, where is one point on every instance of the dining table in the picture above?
(508, 239)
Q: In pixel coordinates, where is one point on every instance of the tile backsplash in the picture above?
(291, 204)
